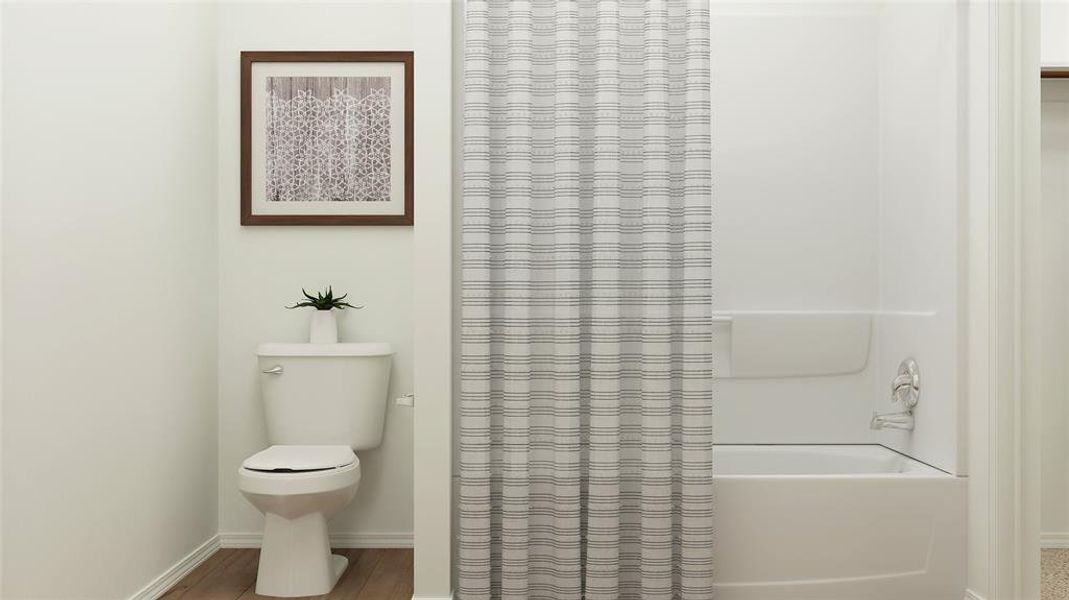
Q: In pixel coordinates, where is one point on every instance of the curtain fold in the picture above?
(585, 411)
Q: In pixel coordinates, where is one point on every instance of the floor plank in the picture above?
(228, 582)
(230, 574)
(215, 561)
(359, 573)
(387, 575)
(403, 589)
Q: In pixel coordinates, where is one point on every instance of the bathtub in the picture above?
(835, 523)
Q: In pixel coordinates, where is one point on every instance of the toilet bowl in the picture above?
(298, 488)
(322, 404)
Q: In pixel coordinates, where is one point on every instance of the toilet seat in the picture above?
(294, 470)
(292, 458)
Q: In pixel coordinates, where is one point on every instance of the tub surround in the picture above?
(859, 220)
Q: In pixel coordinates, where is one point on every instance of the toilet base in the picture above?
(295, 558)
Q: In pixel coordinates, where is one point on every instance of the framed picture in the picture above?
(326, 138)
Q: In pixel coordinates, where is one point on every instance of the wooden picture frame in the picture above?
(361, 190)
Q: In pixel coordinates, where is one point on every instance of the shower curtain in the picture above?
(585, 425)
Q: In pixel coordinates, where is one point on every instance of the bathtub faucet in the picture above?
(899, 420)
(905, 389)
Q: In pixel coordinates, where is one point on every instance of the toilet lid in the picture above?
(300, 458)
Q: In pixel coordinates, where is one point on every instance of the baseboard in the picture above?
(180, 569)
(1054, 540)
(449, 597)
(337, 540)
(971, 595)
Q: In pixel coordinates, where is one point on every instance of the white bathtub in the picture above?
(835, 523)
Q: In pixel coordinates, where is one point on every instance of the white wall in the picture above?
(1054, 33)
(148, 206)
(1054, 452)
(432, 315)
(109, 295)
(795, 212)
(402, 274)
(263, 268)
(919, 234)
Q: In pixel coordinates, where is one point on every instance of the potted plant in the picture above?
(324, 327)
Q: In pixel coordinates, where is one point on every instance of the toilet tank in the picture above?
(325, 393)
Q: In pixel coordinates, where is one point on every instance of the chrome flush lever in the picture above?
(275, 370)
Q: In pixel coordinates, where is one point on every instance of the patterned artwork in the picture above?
(327, 139)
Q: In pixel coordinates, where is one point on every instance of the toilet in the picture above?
(322, 403)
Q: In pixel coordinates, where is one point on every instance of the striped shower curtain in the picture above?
(585, 426)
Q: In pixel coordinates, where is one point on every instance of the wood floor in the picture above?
(230, 574)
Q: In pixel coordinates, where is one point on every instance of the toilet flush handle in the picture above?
(275, 370)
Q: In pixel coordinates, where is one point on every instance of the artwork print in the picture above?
(326, 138)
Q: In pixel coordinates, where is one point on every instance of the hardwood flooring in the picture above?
(230, 574)
(377, 574)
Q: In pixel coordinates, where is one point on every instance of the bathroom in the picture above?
(854, 240)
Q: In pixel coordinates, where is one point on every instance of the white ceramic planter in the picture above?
(324, 327)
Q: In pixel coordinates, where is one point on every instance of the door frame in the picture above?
(1003, 383)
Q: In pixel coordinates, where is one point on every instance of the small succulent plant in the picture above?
(324, 301)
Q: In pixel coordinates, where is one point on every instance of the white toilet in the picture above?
(322, 402)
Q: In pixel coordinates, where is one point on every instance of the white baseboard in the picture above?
(1054, 540)
(180, 569)
(191, 561)
(337, 540)
(971, 595)
(449, 597)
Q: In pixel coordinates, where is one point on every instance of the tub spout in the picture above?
(900, 420)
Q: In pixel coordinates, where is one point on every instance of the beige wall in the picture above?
(109, 295)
